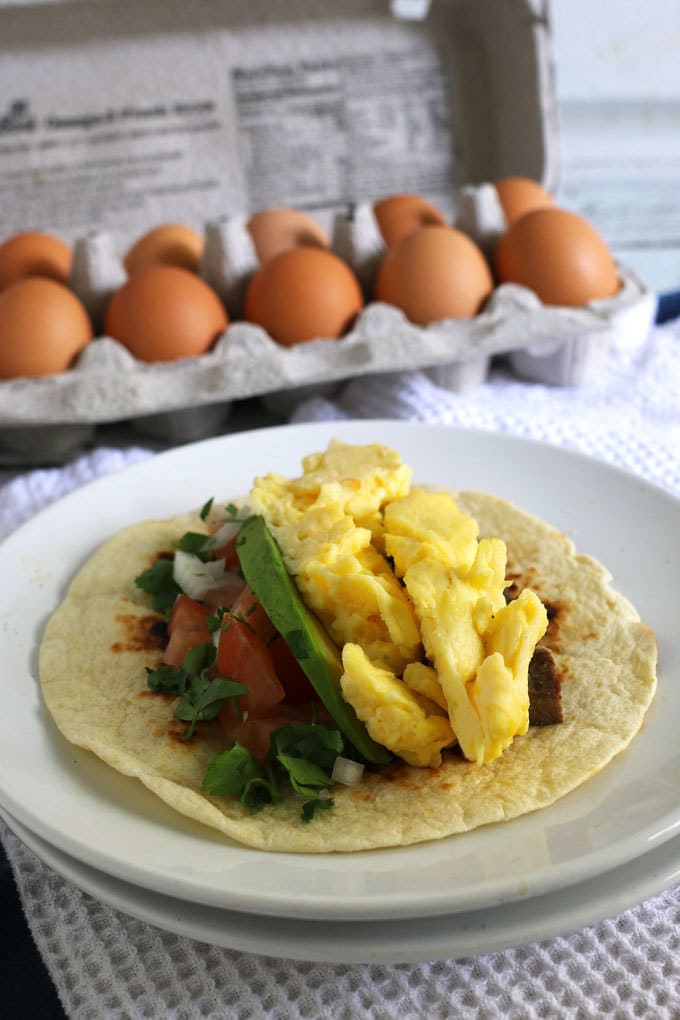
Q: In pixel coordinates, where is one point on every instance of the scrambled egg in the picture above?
(325, 524)
(391, 572)
(411, 726)
(479, 646)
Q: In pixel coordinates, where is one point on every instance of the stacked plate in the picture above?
(611, 843)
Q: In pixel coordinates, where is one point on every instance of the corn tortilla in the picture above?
(98, 642)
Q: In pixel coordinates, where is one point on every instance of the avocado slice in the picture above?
(265, 571)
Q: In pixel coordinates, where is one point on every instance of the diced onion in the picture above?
(223, 535)
(195, 577)
(225, 532)
(347, 772)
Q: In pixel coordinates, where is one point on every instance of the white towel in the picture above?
(105, 964)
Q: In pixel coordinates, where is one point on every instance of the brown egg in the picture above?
(400, 215)
(435, 273)
(558, 255)
(520, 195)
(170, 245)
(164, 313)
(43, 326)
(34, 254)
(304, 294)
(277, 230)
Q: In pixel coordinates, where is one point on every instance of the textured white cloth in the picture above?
(105, 964)
(629, 417)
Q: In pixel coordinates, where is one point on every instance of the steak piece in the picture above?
(545, 689)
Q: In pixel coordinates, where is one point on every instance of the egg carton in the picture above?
(186, 399)
(502, 114)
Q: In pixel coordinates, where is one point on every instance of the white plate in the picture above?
(411, 941)
(112, 823)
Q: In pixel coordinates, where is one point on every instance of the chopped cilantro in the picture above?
(300, 755)
(166, 679)
(256, 793)
(229, 771)
(201, 697)
(310, 807)
(206, 508)
(214, 621)
(237, 773)
(193, 542)
(158, 581)
(199, 658)
(305, 777)
(317, 744)
(222, 617)
(242, 619)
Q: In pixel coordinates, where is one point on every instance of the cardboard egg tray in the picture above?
(441, 150)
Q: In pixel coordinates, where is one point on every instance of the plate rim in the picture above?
(474, 933)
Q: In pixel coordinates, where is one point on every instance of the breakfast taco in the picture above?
(342, 661)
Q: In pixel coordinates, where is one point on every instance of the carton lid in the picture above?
(194, 111)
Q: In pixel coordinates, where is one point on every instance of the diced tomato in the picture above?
(243, 656)
(289, 671)
(227, 552)
(254, 733)
(247, 606)
(227, 593)
(187, 629)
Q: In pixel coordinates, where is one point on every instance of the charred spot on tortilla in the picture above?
(142, 634)
(557, 613)
(363, 795)
(177, 732)
(553, 609)
(160, 629)
(173, 732)
(514, 587)
(518, 580)
(157, 695)
(397, 774)
(408, 777)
